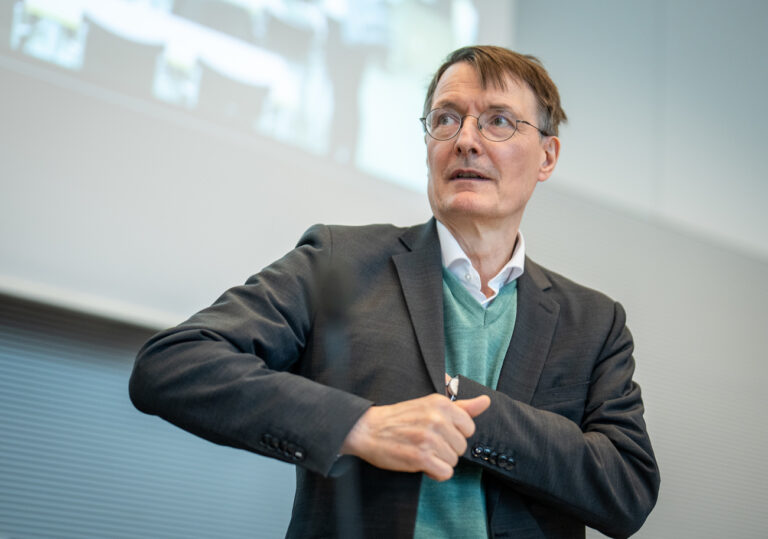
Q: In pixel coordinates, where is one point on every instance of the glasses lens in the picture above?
(497, 125)
(443, 124)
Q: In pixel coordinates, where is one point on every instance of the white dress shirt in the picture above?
(458, 263)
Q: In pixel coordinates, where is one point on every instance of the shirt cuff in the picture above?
(452, 388)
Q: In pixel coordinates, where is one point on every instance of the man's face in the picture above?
(471, 177)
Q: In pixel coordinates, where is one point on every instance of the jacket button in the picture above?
(477, 450)
(492, 459)
(486, 453)
(502, 461)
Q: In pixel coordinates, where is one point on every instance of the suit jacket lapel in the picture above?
(534, 325)
(422, 283)
(531, 339)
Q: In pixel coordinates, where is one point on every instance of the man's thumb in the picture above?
(474, 407)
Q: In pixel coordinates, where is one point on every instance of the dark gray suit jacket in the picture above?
(563, 443)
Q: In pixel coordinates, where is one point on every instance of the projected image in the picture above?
(336, 78)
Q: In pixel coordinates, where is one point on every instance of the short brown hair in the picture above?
(494, 64)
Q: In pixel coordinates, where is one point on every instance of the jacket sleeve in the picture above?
(225, 374)
(602, 471)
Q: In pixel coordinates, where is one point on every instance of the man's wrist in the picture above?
(354, 439)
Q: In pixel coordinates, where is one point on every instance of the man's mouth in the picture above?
(468, 174)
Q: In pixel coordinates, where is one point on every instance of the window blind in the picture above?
(77, 460)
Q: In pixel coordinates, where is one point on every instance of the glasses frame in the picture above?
(479, 127)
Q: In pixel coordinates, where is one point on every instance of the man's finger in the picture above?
(474, 407)
(470, 408)
(440, 471)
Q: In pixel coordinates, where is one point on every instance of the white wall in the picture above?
(667, 108)
(129, 210)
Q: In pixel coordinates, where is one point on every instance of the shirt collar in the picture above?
(458, 263)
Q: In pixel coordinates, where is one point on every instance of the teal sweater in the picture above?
(476, 341)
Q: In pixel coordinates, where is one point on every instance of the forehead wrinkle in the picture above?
(500, 85)
(446, 104)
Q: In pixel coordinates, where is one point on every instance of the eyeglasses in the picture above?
(495, 125)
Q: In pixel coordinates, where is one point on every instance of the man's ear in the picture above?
(551, 150)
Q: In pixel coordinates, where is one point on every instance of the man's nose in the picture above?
(469, 138)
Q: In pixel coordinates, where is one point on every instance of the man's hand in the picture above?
(420, 435)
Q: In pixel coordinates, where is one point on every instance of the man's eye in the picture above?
(446, 119)
(499, 120)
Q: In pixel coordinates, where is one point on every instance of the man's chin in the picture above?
(470, 201)
(469, 207)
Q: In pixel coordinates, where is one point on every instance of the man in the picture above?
(348, 379)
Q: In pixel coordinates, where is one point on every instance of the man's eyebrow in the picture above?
(504, 108)
(445, 105)
(495, 107)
